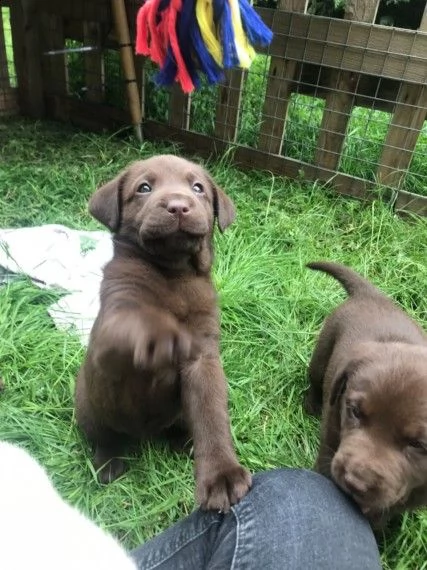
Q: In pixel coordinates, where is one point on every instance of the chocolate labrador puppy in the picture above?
(153, 365)
(370, 369)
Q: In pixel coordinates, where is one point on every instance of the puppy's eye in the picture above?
(143, 188)
(198, 188)
(418, 445)
(354, 412)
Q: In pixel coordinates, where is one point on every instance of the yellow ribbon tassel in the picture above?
(245, 52)
(205, 19)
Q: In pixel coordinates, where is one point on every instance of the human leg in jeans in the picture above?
(291, 519)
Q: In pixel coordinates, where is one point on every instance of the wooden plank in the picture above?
(31, 28)
(93, 11)
(402, 135)
(407, 202)
(376, 50)
(228, 108)
(340, 98)
(55, 74)
(179, 108)
(92, 116)
(361, 10)
(8, 101)
(94, 62)
(404, 129)
(17, 28)
(280, 83)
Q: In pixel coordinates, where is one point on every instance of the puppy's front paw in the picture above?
(222, 487)
(164, 343)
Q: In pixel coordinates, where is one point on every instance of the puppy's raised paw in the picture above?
(221, 488)
(163, 344)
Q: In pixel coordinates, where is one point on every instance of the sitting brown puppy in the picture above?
(370, 366)
(153, 365)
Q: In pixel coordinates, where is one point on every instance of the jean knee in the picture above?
(275, 490)
(303, 517)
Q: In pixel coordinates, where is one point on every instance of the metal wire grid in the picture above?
(80, 59)
(306, 103)
(309, 110)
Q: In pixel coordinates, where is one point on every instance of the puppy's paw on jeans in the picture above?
(222, 487)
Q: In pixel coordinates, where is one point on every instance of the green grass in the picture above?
(5, 15)
(272, 309)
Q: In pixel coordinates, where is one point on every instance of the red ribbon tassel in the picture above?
(158, 45)
(141, 43)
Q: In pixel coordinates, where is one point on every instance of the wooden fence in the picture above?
(312, 80)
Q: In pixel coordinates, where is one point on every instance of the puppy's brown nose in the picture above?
(178, 207)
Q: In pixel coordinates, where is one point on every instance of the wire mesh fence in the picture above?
(341, 99)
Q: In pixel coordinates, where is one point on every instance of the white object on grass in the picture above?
(55, 256)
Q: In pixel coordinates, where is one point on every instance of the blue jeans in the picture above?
(291, 519)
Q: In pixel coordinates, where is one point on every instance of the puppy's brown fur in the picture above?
(153, 365)
(370, 369)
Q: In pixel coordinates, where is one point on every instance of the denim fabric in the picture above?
(291, 519)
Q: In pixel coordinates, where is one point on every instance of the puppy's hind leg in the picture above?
(178, 437)
(107, 459)
(108, 444)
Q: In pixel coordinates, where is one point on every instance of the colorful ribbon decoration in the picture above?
(188, 37)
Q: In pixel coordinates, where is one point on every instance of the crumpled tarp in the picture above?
(54, 256)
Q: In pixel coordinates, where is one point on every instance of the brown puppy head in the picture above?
(382, 399)
(166, 205)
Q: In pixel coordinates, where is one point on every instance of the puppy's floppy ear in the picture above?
(104, 205)
(339, 384)
(224, 210)
(338, 388)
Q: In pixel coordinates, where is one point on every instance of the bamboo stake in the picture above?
(128, 64)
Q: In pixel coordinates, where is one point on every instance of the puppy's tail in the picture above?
(352, 282)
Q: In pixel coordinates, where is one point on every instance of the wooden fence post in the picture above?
(179, 108)
(33, 67)
(280, 84)
(340, 97)
(228, 108)
(94, 63)
(405, 126)
(54, 66)
(120, 20)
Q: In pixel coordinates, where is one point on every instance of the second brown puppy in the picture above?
(368, 375)
(153, 365)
